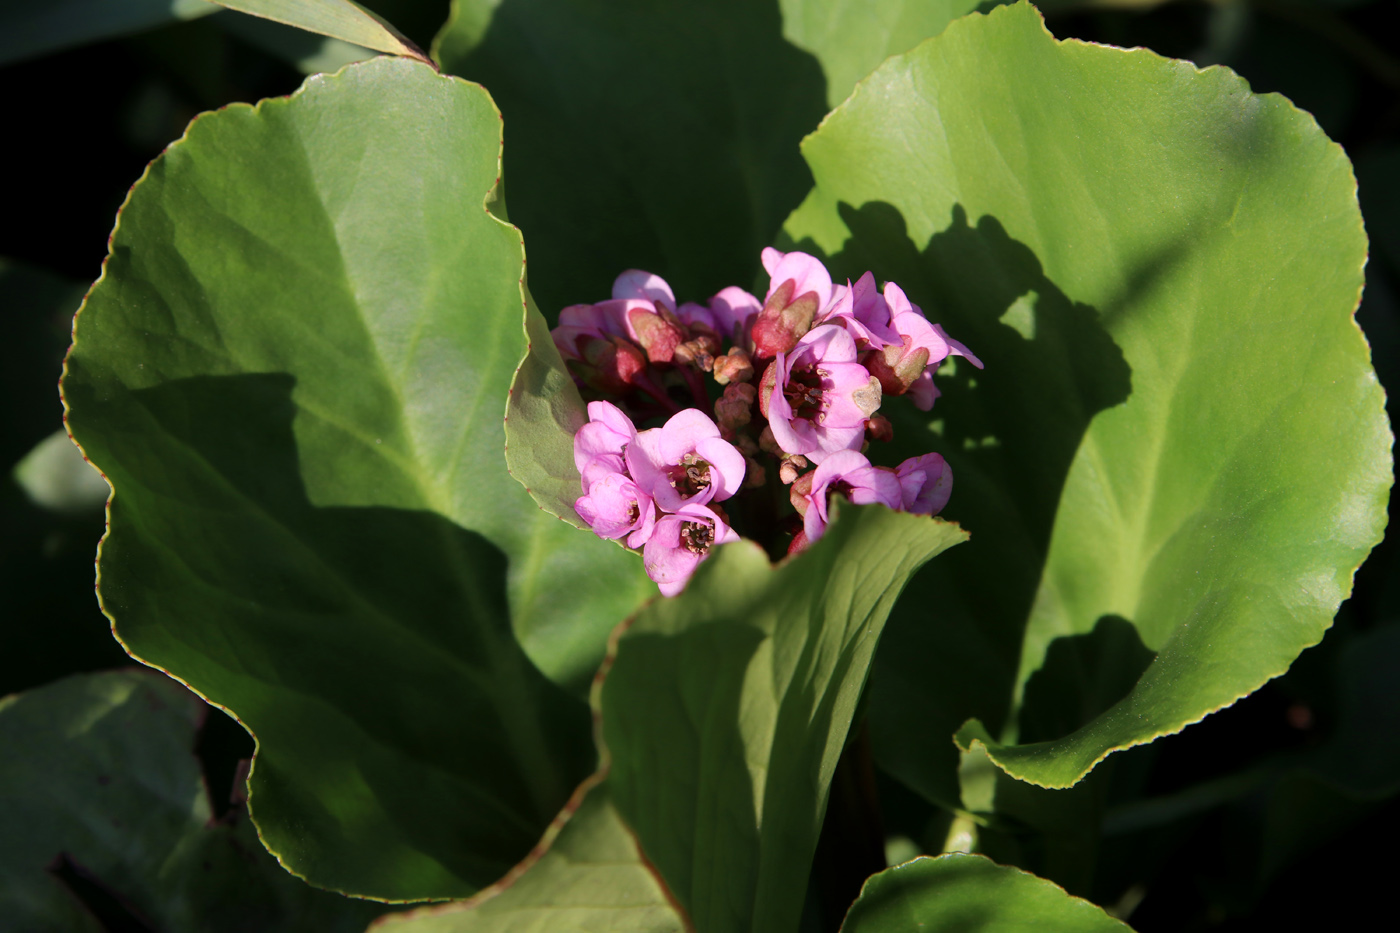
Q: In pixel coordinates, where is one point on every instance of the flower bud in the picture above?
(879, 428)
(734, 366)
(735, 408)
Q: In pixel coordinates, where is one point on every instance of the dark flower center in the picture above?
(690, 476)
(696, 537)
(804, 394)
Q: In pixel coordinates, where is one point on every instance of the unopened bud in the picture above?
(658, 331)
(735, 408)
(784, 320)
(895, 369)
(734, 366)
(791, 468)
(756, 475)
(799, 494)
(879, 428)
(768, 443)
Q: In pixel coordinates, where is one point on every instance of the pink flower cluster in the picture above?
(803, 374)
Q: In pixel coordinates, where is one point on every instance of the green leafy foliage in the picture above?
(969, 893)
(852, 37)
(641, 134)
(723, 713)
(1178, 426)
(592, 878)
(292, 374)
(107, 789)
(339, 19)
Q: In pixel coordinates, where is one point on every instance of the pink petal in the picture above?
(926, 483)
(692, 314)
(923, 392)
(827, 343)
(681, 432)
(957, 349)
(727, 467)
(771, 257)
(634, 283)
(734, 311)
(808, 274)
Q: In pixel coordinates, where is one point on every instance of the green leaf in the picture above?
(292, 373)
(592, 878)
(108, 781)
(55, 476)
(852, 37)
(29, 29)
(726, 708)
(642, 134)
(968, 893)
(1178, 425)
(723, 713)
(339, 19)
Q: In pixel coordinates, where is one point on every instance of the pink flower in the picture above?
(600, 444)
(647, 307)
(926, 483)
(906, 364)
(799, 289)
(847, 473)
(817, 397)
(616, 506)
(860, 309)
(678, 544)
(735, 310)
(685, 462)
(595, 339)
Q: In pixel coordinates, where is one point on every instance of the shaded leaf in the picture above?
(29, 29)
(723, 713)
(591, 879)
(1178, 425)
(292, 373)
(968, 893)
(726, 708)
(108, 784)
(641, 134)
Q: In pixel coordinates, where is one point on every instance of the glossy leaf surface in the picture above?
(108, 789)
(967, 894)
(1178, 427)
(293, 374)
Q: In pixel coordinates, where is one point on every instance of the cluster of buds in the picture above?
(794, 383)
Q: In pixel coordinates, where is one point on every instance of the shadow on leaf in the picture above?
(407, 746)
(1010, 432)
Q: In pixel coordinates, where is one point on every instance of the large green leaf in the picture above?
(851, 37)
(968, 893)
(293, 373)
(29, 29)
(725, 710)
(100, 782)
(722, 714)
(1178, 425)
(339, 19)
(592, 878)
(641, 134)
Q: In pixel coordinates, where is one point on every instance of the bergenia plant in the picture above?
(816, 402)
(608, 599)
